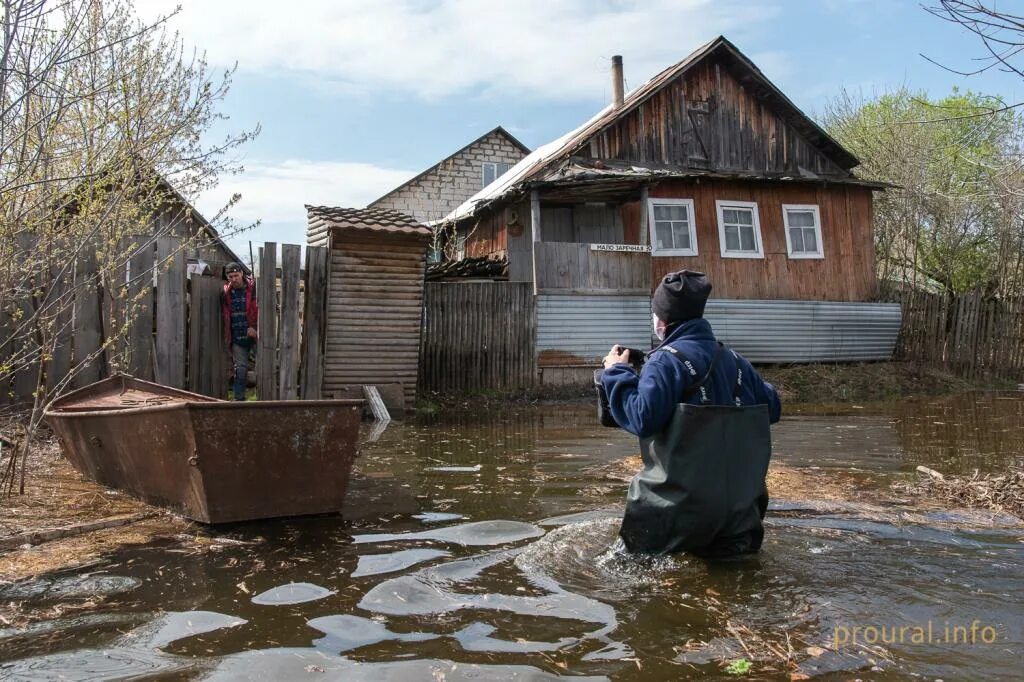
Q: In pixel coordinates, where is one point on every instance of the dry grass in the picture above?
(867, 381)
(1001, 493)
(57, 496)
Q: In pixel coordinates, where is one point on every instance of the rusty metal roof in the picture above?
(382, 220)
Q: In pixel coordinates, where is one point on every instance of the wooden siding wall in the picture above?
(519, 242)
(478, 336)
(581, 224)
(846, 273)
(374, 312)
(706, 119)
(494, 235)
(574, 268)
(489, 236)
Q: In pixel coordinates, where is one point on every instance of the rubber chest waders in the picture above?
(702, 489)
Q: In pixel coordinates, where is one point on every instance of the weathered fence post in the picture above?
(266, 294)
(59, 295)
(288, 340)
(207, 365)
(139, 309)
(88, 331)
(313, 321)
(170, 313)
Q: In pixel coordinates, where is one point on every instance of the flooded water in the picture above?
(483, 547)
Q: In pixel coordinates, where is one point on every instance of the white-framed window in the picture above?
(803, 230)
(492, 170)
(739, 229)
(672, 227)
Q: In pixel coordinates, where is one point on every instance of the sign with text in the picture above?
(628, 248)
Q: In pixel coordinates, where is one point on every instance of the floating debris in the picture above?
(1004, 492)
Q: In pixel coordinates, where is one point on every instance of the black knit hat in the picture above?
(681, 296)
(233, 267)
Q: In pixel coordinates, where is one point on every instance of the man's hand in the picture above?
(615, 356)
(251, 333)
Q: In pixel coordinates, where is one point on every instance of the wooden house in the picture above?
(374, 297)
(707, 166)
(440, 189)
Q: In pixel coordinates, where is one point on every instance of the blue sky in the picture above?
(356, 96)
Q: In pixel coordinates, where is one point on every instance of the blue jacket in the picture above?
(644, 404)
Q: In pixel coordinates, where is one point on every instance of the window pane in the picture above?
(489, 171)
(796, 238)
(801, 218)
(678, 213)
(732, 238)
(503, 168)
(730, 216)
(747, 238)
(681, 235)
(744, 216)
(662, 213)
(663, 235)
(810, 240)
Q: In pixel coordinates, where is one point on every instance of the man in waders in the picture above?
(702, 415)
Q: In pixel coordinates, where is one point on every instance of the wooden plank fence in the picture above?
(170, 328)
(477, 336)
(970, 334)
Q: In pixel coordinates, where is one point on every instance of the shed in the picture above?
(374, 296)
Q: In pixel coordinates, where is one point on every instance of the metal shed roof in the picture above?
(382, 220)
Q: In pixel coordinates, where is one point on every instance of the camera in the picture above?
(604, 414)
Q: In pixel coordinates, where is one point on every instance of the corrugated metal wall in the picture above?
(581, 329)
(374, 313)
(806, 331)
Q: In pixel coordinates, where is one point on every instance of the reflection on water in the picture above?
(484, 547)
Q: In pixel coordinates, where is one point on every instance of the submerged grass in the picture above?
(831, 383)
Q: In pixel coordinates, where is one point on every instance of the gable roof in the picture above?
(544, 158)
(198, 219)
(496, 130)
(192, 214)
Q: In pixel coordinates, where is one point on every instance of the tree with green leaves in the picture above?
(953, 217)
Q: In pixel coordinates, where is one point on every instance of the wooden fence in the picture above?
(969, 334)
(568, 268)
(169, 327)
(477, 336)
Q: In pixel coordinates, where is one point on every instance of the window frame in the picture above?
(720, 206)
(483, 172)
(813, 208)
(652, 234)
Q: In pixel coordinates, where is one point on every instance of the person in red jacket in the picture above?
(241, 314)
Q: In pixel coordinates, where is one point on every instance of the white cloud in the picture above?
(277, 192)
(557, 49)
